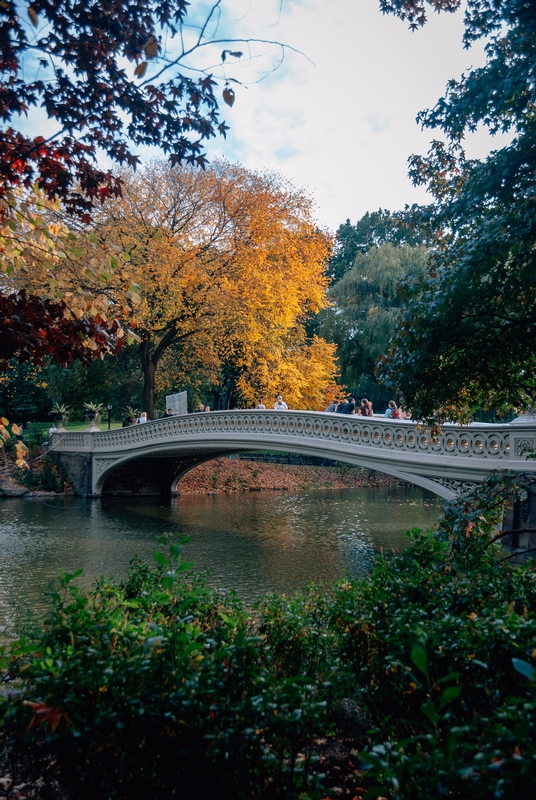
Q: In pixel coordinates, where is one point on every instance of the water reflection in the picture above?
(253, 542)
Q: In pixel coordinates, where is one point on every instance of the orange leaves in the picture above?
(44, 713)
(231, 260)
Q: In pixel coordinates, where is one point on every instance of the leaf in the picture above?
(450, 694)
(418, 656)
(154, 640)
(186, 565)
(161, 598)
(151, 47)
(429, 710)
(44, 713)
(34, 18)
(141, 69)
(228, 96)
(450, 677)
(160, 558)
(524, 668)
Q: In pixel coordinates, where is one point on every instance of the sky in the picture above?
(344, 126)
(338, 117)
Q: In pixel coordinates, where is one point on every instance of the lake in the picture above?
(253, 542)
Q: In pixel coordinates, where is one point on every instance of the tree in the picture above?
(372, 230)
(38, 330)
(230, 257)
(466, 338)
(365, 309)
(111, 76)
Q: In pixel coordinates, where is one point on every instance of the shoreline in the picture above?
(225, 475)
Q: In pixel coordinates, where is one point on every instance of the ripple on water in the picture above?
(253, 542)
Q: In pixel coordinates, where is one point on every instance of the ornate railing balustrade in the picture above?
(443, 463)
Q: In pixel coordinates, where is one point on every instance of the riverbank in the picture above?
(218, 476)
(233, 475)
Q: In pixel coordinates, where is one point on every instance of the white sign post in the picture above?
(178, 403)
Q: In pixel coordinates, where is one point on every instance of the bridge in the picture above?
(152, 458)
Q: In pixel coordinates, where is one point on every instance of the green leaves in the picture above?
(465, 342)
(524, 668)
(450, 694)
(419, 658)
(160, 558)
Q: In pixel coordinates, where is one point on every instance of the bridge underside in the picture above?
(159, 474)
(152, 475)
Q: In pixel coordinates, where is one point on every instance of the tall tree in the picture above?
(365, 308)
(466, 339)
(372, 230)
(110, 76)
(224, 253)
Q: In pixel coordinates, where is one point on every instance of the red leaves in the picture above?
(91, 99)
(32, 329)
(44, 713)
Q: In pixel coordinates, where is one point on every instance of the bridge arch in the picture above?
(458, 457)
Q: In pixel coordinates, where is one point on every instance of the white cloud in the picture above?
(346, 126)
(343, 126)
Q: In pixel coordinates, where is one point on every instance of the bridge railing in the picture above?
(478, 440)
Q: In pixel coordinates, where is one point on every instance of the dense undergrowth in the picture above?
(156, 687)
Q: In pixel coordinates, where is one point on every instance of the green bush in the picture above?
(160, 690)
(437, 648)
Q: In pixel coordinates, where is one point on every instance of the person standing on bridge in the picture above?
(391, 412)
(364, 408)
(142, 418)
(280, 404)
(332, 408)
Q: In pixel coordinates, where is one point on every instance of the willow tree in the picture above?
(225, 256)
(366, 305)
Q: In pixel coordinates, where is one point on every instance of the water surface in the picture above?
(249, 541)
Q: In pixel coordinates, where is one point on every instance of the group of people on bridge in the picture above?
(337, 407)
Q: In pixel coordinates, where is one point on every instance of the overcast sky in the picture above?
(344, 126)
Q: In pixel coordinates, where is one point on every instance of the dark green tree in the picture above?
(23, 393)
(467, 337)
(372, 230)
(114, 379)
(363, 317)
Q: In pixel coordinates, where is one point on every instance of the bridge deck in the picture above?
(459, 455)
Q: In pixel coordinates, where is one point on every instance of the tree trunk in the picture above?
(149, 372)
(229, 392)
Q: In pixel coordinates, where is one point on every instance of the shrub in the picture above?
(155, 688)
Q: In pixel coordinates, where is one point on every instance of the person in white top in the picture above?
(142, 418)
(280, 404)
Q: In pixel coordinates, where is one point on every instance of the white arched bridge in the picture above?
(154, 456)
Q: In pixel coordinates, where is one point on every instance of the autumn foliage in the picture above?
(36, 329)
(229, 263)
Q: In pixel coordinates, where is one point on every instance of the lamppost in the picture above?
(109, 406)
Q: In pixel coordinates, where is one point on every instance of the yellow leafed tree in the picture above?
(229, 260)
